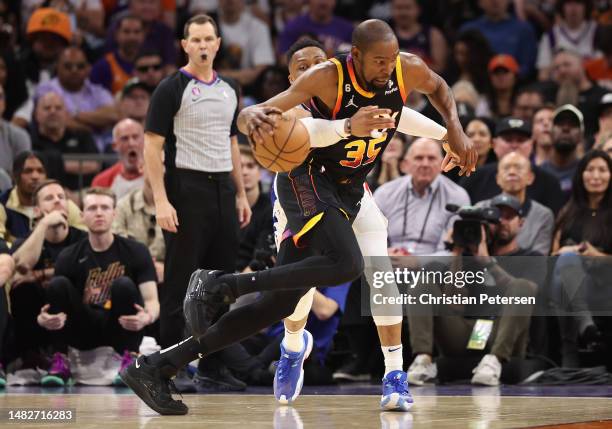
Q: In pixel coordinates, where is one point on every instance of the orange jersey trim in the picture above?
(351, 71)
(340, 83)
(400, 78)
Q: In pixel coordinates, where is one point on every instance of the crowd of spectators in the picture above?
(533, 84)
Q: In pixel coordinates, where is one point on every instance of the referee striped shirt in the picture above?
(197, 119)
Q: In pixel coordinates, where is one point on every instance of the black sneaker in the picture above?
(152, 387)
(218, 380)
(352, 371)
(205, 297)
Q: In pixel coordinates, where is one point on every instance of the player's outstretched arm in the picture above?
(417, 76)
(319, 81)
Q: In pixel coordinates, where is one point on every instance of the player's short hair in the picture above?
(43, 185)
(372, 31)
(98, 190)
(302, 44)
(200, 20)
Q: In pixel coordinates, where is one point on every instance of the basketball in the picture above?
(286, 148)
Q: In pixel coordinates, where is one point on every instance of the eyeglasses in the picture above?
(144, 69)
(75, 66)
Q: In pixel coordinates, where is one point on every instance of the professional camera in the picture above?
(264, 254)
(467, 231)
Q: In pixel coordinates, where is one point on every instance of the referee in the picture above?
(200, 201)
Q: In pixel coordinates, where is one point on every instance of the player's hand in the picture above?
(244, 210)
(51, 322)
(55, 219)
(460, 152)
(370, 118)
(166, 216)
(137, 321)
(260, 120)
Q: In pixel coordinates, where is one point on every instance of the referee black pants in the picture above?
(207, 237)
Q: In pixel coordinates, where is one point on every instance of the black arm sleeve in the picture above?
(165, 102)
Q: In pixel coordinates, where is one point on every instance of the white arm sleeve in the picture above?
(324, 132)
(416, 124)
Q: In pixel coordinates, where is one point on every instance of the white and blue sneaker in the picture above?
(289, 376)
(395, 394)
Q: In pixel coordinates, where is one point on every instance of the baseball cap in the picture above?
(569, 111)
(49, 20)
(604, 103)
(504, 61)
(132, 84)
(505, 200)
(513, 124)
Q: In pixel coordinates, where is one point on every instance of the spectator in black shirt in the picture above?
(35, 258)
(581, 286)
(511, 135)
(104, 290)
(51, 136)
(567, 137)
(257, 248)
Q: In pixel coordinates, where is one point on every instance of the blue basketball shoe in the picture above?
(289, 376)
(395, 394)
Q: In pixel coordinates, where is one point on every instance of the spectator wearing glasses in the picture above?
(415, 204)
(115, 68)
(91, 107)
(148, 68)
(136, 219)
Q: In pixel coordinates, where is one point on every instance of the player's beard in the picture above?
(372, 87)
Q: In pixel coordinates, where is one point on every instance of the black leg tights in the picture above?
(339, 259)
(336, 259)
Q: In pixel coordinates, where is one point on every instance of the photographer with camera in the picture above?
(482, 234)
(514, 175)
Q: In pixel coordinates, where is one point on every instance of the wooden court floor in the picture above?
(481, 411)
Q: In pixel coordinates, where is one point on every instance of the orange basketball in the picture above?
(286, 148)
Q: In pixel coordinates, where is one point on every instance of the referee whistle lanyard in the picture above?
(407, 202)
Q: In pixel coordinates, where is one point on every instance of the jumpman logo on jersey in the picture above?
(352, 103)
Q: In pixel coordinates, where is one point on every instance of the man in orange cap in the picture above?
(49, 33)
